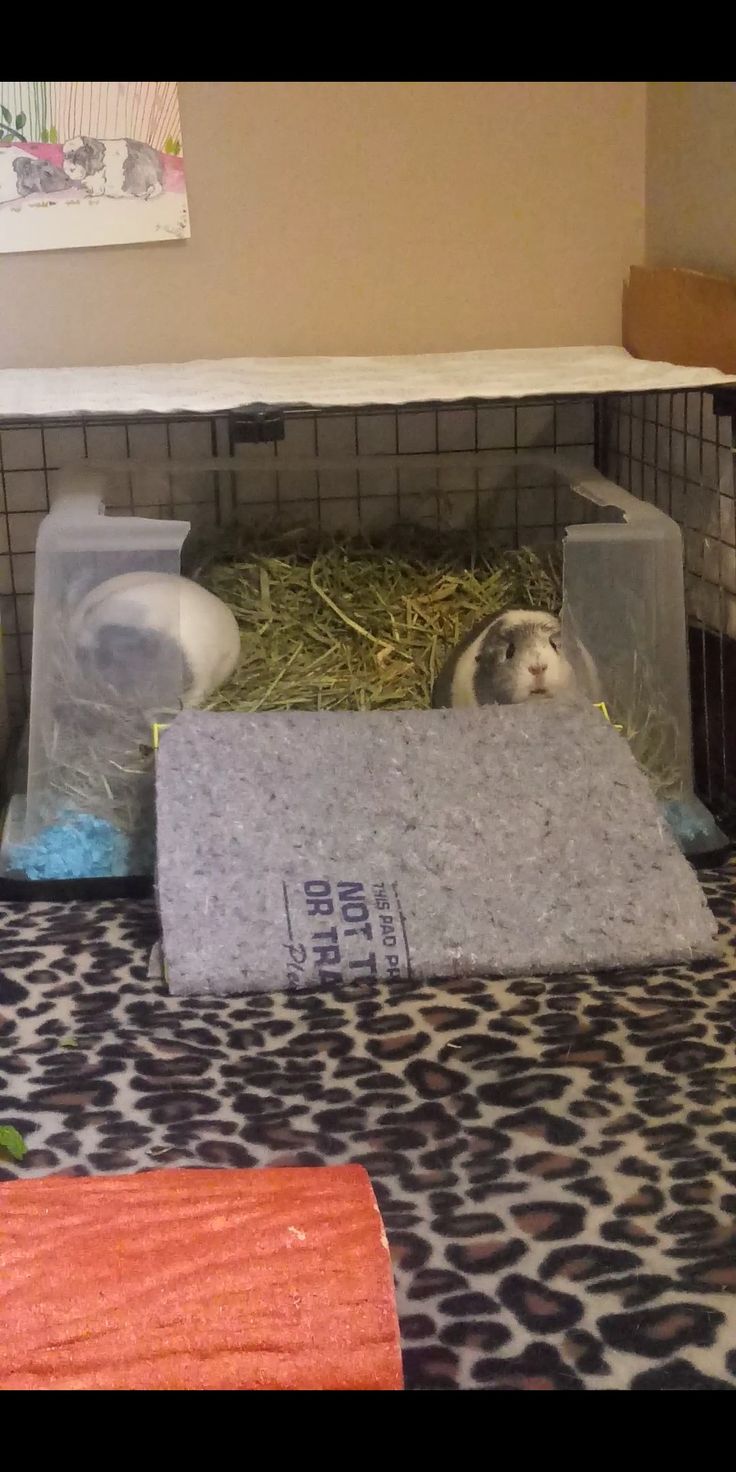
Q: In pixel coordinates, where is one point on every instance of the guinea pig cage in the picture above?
(355, 540)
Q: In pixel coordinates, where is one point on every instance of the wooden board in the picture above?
(275, 1279)
(677, 316)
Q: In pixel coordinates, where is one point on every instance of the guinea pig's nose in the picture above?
(537, 669)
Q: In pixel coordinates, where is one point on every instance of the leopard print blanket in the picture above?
(555, 1159)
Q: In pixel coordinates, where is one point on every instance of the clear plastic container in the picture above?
(95, 695)
(623, 614)
(624, 599)
(4, 721)
(623, 611)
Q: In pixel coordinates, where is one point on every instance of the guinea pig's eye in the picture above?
(555, 645)
(510, 650)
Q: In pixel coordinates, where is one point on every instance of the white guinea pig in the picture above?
(506, 659)
(123, 627)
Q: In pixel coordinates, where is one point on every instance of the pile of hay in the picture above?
(354, 625)
(351, 625)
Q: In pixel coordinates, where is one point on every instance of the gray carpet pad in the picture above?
(297, 850)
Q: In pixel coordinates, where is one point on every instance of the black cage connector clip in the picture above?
(724, 401)
(256, 426)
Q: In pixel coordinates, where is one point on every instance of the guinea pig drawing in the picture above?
(22, 174)
(505, 659)
(119, 168)
(124, 631)
(38, 176)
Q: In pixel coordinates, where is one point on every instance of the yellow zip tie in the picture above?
(601, 705)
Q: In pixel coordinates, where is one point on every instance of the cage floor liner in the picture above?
(306, 849)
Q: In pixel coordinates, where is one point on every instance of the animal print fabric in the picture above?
(555, 1159)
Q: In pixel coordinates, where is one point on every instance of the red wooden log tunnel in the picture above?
(273, 1279)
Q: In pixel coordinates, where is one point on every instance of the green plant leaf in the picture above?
(69, 1042)
(11, 1142)
(20, 121)
(53, 135)
(44, 135)
(7, 114)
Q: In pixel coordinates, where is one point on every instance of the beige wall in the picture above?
(691, 175)
(344, 217)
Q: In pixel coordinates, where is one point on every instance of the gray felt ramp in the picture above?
(306, 849)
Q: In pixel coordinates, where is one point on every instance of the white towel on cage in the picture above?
(233, 383)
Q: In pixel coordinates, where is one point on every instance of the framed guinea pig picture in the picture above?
(90, 163)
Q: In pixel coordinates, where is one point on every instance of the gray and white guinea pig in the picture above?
(504, 660)
(125, 629)
(115, 167)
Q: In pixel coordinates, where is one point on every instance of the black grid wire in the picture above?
(668, 448)
(327, 488)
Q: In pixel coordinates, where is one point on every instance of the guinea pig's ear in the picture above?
(94, 154)
(491, 628)
(23, 176)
